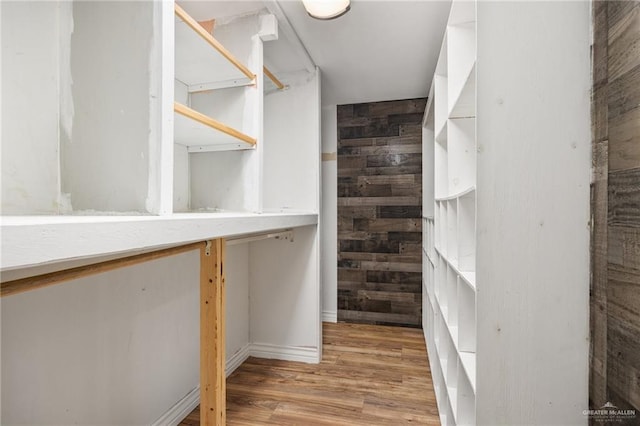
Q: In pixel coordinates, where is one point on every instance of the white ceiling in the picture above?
(379, 50)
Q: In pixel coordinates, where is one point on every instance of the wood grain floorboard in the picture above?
(369, 375)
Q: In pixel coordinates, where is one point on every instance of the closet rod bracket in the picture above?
(207, 248)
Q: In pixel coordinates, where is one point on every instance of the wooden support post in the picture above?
(212, 345)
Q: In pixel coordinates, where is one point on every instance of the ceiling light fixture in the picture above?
(326, 9)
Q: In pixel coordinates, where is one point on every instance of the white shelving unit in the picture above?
(492, 307)
(221, 107)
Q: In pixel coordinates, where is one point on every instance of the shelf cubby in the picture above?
(466, 401)
(440, 91)
(452, 300)
(444, 230)
(467, 235)
(452, 378)
(466, 318)
(452, 232)
(437, 234)
(461, 54)
(441, 169)
(464, 105)
(461, 159)
(441, 282)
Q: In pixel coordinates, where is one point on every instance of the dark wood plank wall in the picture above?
(615, 285)
(379, 212)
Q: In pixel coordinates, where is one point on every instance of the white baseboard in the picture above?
(286, 353)
(180, 410)
(329, 316)
(237, 359)
(186, 405)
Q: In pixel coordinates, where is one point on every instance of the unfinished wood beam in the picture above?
(195, 26)
(212, 345)
(208, 121)
(273, 78)
(9, 288)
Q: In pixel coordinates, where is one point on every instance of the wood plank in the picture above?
(373, 171)
(381, 257)
(388, 225)
(624, 37)
(624, 197)
(400, 140)
(415, 148)
(388, 179)
(361, 235)
(387, 295)
(378, 317)
(392, 212)
(9, 288)
(600, 43)
(212, 367)
(624, 246)
(379, 201)
(599, 261)
(623, 120)
(210, 122)
(393, 160)
(411, 106)
(623, 296)
(273, 78)
(623, 360)
(391, 266)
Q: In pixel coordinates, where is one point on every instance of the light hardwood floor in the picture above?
(369, 375)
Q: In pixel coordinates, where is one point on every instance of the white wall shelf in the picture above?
(493, 169)
(64, 238)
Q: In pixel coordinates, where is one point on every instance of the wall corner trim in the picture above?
(329, 316)
(309, 355)
(180, 410)
(190, 401)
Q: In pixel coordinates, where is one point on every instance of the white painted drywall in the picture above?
(225, 105)
(284, 293)
(291, 140)
(31, 40)
(329, 215)
(237, 291)
(533, 212)
(117, 348)
(218, 182)
(105, 161)
(181, 178)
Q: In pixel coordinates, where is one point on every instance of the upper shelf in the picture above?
(200, 58)
(71, 238)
